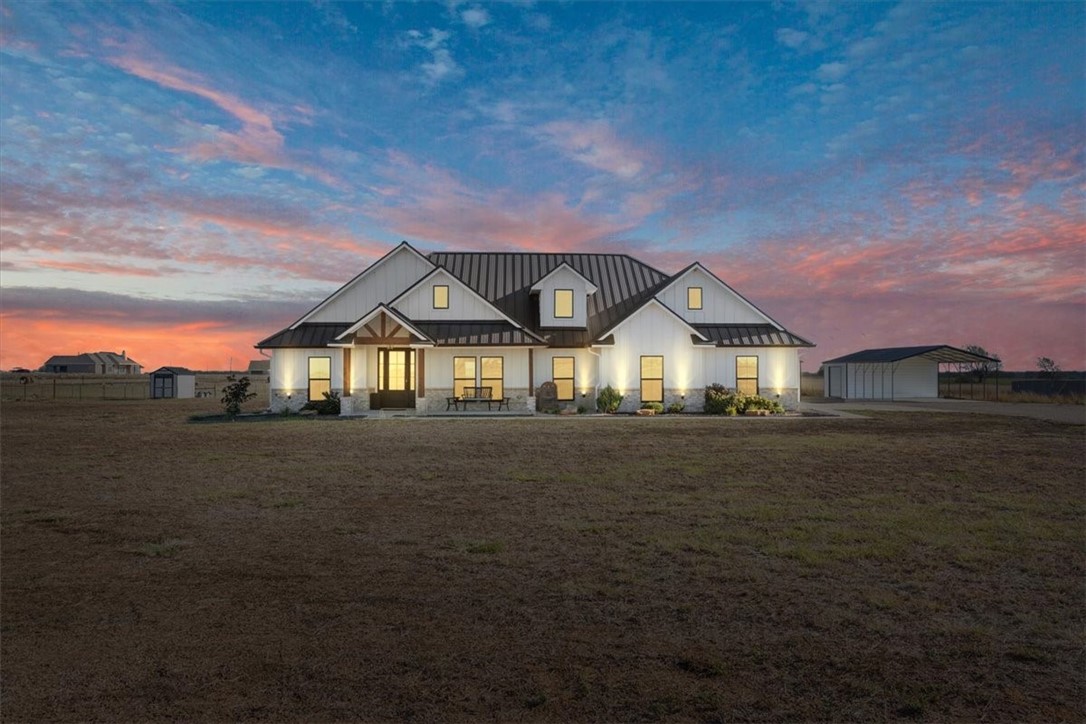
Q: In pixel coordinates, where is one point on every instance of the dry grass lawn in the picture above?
(909, 566)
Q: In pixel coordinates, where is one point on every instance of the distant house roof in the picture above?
(937, 353)
(69, 359)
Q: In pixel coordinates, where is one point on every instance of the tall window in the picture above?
(320, 377)
(562, 376)
(652, 379)
(492, 369)
(441, 296)
(693, 297)
(746, 375)
(563, 303)
(463, 374)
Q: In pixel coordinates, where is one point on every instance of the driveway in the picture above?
(1067, 414)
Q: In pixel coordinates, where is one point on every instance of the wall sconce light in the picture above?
(683, 396)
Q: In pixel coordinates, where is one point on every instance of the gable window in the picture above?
(693, 297)
(562, 376)
(463, 374)
(652, 379)
(320, 377)
(746, 375)
(441, 296)
(492, 371)
(563, 303)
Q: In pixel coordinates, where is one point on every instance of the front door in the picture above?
(396, 377)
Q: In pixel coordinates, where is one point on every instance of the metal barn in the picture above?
(173, 382)
(892, 373)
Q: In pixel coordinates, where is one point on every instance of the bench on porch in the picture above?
(477, 394)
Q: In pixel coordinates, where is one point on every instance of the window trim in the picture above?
(701, 298)
(572, 378)
(434, 296)
(310, 378)
(757, 372)
(498, 392)
(474, 373)
(642, 378)
(572, 299)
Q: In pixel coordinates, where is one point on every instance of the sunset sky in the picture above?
(181, 181)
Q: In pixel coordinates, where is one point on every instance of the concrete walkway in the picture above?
(1068, 414)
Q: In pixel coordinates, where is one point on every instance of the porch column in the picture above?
(531, 372)
(347, 372)
(421, 363)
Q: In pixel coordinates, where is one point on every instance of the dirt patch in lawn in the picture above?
(908, 566)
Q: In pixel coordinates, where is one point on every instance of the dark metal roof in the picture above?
(506, 279)
(750, 335)
(475, 333)
(69, 359)
(307, 334)
(175, 370)
(937, 353)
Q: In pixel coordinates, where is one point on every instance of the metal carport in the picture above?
(890, 373)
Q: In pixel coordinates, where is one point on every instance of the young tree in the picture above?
(981, 370)
(235, 394)
(1048, 367)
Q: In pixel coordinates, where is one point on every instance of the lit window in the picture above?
(463, 374)
(693, 297)
(562, 376)
(563, 303)
(492, 370)
(320, 377)
(746, 375)
(441, 296)
(652, 379)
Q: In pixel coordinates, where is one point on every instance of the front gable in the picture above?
(381, 282)
(719, 303)
(462, 302)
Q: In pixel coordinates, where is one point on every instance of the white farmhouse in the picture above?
(414, 330)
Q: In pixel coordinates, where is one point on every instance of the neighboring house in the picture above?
(893, 373)
(413, 329)
(93, 363)
(259, 366)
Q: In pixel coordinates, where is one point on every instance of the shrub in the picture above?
(234, 395)
(654, 406)
(675, 408)
(581, 409)
(608, 400)
(719, 400)
(328, 406)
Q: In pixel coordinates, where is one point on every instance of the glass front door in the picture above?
(396, 377)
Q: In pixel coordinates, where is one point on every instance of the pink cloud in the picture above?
(258, 141)
(595, 144)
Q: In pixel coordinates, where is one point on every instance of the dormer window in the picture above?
(563, 304)
(441, 296)
(693, 297)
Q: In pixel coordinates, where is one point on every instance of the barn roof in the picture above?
(937, 353)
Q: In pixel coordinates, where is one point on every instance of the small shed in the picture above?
(892, 373)
(173, 382)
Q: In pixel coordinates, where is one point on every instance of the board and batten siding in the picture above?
(585, 368)
(652, 331)
(377, 284)
(563, 278)
(778, 368)
(719, 305)
(290, 368)
(418, 304)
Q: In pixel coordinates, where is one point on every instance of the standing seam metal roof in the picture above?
(936, 352)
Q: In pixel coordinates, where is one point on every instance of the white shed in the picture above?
(173, 382)
(892, 373)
